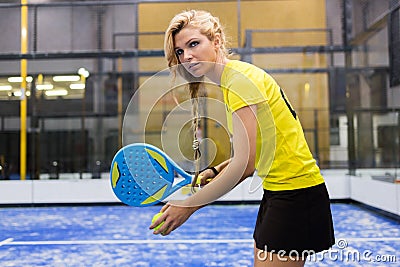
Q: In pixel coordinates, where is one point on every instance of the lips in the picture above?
(192, 66)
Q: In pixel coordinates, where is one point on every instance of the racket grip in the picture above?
(198, 181)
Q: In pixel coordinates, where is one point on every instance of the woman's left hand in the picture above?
(205, 177)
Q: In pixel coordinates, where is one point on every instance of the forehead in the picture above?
(186, 34)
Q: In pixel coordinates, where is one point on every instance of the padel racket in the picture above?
(143, 175)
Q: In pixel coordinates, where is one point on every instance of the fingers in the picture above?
(158, 221)
(164, 229)
(205, 177)
(202, 181)
(207, 173)
(172, 218)
(164, 208)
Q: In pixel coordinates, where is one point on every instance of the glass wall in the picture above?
(87, 60)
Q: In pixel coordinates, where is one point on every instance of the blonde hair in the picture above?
(209, 26)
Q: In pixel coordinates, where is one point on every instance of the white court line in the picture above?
(370, 239)
(6, 241)
(133, 241)
(166, 241)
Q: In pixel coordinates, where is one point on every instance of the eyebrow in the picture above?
(189, 41)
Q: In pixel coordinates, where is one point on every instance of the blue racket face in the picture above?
(143, 175)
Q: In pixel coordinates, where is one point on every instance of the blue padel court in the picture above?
(217, 235)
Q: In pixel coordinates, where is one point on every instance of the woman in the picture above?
(294, 217)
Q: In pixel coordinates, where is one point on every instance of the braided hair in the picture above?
(210, 26)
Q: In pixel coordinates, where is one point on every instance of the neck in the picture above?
(215, 75)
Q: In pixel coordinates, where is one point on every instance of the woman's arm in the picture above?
(222, 165)
(241, 166)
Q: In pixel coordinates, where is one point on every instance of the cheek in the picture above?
(212, 55)
(206, 53)
(178, 58)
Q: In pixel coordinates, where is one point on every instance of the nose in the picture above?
(187, 56)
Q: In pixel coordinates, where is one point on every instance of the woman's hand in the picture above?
(173, 217)
(209, 174)
(205, 177)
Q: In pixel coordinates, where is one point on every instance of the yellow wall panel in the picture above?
(289, 14)
(151, 19)
(306, 91)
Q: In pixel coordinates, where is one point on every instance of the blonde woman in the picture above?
(294, 217)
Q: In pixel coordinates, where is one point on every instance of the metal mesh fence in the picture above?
(119, 45)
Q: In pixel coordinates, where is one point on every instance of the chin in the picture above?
(196, 71)
(196, 74)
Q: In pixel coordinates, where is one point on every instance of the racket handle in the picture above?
(198, 181)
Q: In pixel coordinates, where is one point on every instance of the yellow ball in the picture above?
(155, 217)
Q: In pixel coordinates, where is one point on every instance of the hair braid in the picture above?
(194, 95)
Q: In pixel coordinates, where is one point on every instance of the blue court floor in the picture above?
(217, 235)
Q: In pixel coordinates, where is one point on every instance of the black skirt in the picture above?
(295, 221)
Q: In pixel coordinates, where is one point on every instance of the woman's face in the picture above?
(195, 51)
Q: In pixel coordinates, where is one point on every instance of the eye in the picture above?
(194, 43)
(179, 52)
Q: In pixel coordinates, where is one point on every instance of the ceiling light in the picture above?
(19, 93)
(14, 79)
(58, 92)
(77, 86)
(66, 78)
(5, 87)
(47, 86)
(19, 79)
(84, 72)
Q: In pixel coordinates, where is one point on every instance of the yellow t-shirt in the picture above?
(283, 158)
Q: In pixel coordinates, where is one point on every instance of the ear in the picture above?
(217, 40)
